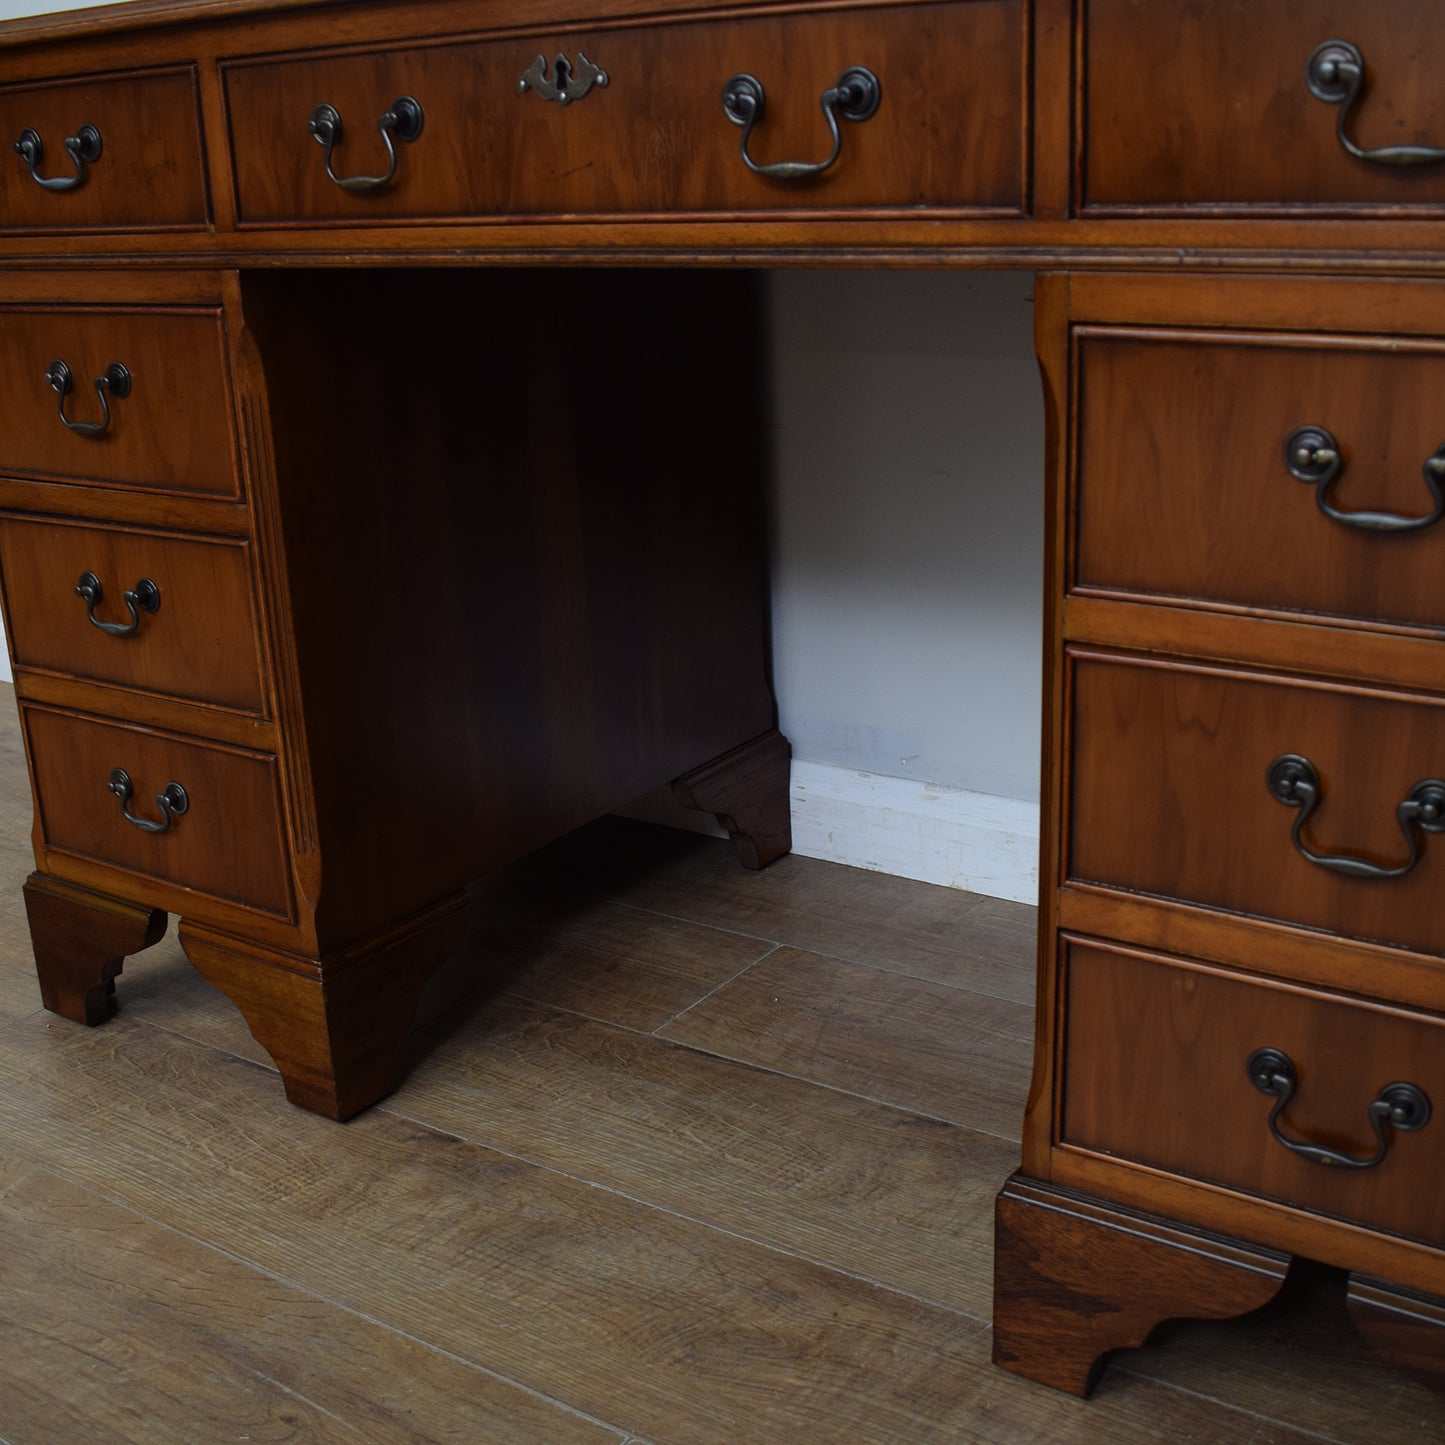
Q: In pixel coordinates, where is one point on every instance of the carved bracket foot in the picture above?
(333, 1025)
(81, 940)
(1076, 1277)
(1402, 1327)
(747, 791)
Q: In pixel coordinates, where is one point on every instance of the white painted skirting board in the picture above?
(897, 825)
(959, 839)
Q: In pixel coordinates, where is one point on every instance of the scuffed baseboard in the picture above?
(948, 836)
(959, 839)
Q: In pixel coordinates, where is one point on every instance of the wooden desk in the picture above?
(393, 521)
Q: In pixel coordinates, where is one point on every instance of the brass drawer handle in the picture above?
(172, 801)
(1312, 455)
(1335, 74)
(1397, 1106)
(403, 120)
(83, 148)
(145, 596)
(1294, 781)
(113, 381)
(855, 97)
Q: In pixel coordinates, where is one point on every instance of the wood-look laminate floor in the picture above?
(686, 1154)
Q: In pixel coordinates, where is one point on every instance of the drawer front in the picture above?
(1155, 1056)
(228, 842)
(170, 432)
(1169, 795)
(148, 174)
(193, 638)
(1191, 107)
(948, 131)
(1184, 488)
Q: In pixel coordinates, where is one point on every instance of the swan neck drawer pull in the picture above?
(855, 98)
(145, 596)
(1397, 1106)
(1312, 455)
(113, 381)
(403, 122)
(83, 148)
(568, 82)
(171, 800)
(1294, 781)
(1335, 74)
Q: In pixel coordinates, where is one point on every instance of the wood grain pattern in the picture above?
(1191, 1030)
(575, 626)
(634, 1315)
(150, 174)
(1169, 794)
(201, 642)
(80, 942)
(871, 1190)
(333, 1025)
(629, 1314)
(943, 935)
(586, 954)
(228, 843)
(945, 1052)
(1207, 414)
(1166, 122)
(172, 433)
(656, 138)
(117, 1329)
(1075, 1281)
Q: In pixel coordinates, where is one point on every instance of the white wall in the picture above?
(907, 589)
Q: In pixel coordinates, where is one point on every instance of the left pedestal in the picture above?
(297, 662)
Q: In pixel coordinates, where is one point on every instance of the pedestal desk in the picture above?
(380, 469)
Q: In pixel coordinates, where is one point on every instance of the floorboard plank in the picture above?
(892, 923)
(942, 1051)
(623, 1312)
(115, 1329)
(874, 1191)
(568, 947)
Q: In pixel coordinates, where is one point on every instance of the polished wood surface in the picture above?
(201, 642)
(172, 433)
(655, 139)
(541, 594)
(1196, 422)
(1169, 794)
(81, 941)
(150, 173)
(1076, 1281)
(228, 843)
(1190, 1031)
(1202, 107)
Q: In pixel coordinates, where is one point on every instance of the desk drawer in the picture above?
(1154, 1068)
(1185, 489)
(948, 131)
(197, 641)
(227, 842)
(1169, 795)
(171, 431)
(1200, 107)
(148, 173)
